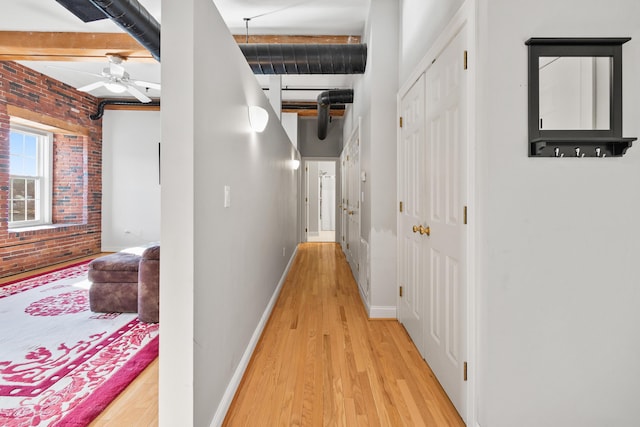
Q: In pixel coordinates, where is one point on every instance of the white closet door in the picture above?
(444, 251)
(411, 155)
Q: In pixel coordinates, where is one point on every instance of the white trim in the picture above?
(304, 176)
(44, 179)
(378, 311)
(234, 383)
(382, 312)
(466, 15)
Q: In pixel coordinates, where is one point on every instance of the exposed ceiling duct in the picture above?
(132, 17)
(325, 99)
(98, 114)
(129, 15)
(83, 9)
(305, 58)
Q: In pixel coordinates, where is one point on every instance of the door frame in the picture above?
(305, 186)
(466, 16)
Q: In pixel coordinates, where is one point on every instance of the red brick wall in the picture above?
(70, 185)
(77, 181)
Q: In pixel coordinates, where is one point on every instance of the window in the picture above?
(29, 177)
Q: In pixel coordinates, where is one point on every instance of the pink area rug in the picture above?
(61, 364)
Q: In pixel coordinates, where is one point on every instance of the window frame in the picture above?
(44, 179)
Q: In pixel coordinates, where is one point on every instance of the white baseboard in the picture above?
(382, 312)
(232, 387)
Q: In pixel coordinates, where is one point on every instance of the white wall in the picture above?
(309, 144)
(130, 186)
(421, 23)
(375, 101)
(559, 293)
(290, 125)
(313, 223)
(220, 265)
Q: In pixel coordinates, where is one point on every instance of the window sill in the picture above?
(40, 227)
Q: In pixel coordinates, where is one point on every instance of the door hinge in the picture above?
(306, 168)
(465, 59)
(465, 371)
(400, 206)
(343, 238)
(347, 158)
(358, 267)
(306, 230)
(401, 121)
(400, 291)
(465, 215)
(306, 199)
(347, 246)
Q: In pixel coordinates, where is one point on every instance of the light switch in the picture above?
(227, 196)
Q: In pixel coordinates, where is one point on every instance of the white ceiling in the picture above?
(293, 17)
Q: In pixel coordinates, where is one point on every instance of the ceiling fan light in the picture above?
(115, 87)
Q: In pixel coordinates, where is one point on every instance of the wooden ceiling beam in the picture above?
(71, 47)
(312, 113)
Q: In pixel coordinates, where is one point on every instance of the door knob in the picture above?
(415, 228)
(425, 230)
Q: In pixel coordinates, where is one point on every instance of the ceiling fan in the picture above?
(117, 80)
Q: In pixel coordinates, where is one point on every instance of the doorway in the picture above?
(320, 200)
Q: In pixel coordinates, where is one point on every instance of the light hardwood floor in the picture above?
(321, 362)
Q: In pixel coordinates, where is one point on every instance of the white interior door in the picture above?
(353, 203)
(344, 229)
(444, 251)
(306, 202)
(411, 155)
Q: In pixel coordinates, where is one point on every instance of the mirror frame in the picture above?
(578, 142)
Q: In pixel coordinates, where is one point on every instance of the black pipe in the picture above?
(132, 17)
(325, 99)
(98, 115)
(305, 58)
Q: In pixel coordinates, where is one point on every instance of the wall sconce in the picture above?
(295, 164)
(258, 118)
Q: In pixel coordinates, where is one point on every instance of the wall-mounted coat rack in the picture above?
(575, 97)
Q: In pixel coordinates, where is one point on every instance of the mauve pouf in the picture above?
(114, 283)
(149, 285)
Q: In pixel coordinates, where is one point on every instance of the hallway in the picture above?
(320, 361)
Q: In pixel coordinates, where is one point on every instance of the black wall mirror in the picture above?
(575, 97)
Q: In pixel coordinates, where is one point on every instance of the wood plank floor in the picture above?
(321, 362)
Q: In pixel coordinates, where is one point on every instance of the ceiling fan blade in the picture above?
(91, 86)
(135, 92)
(75, 71)
(145, 84)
